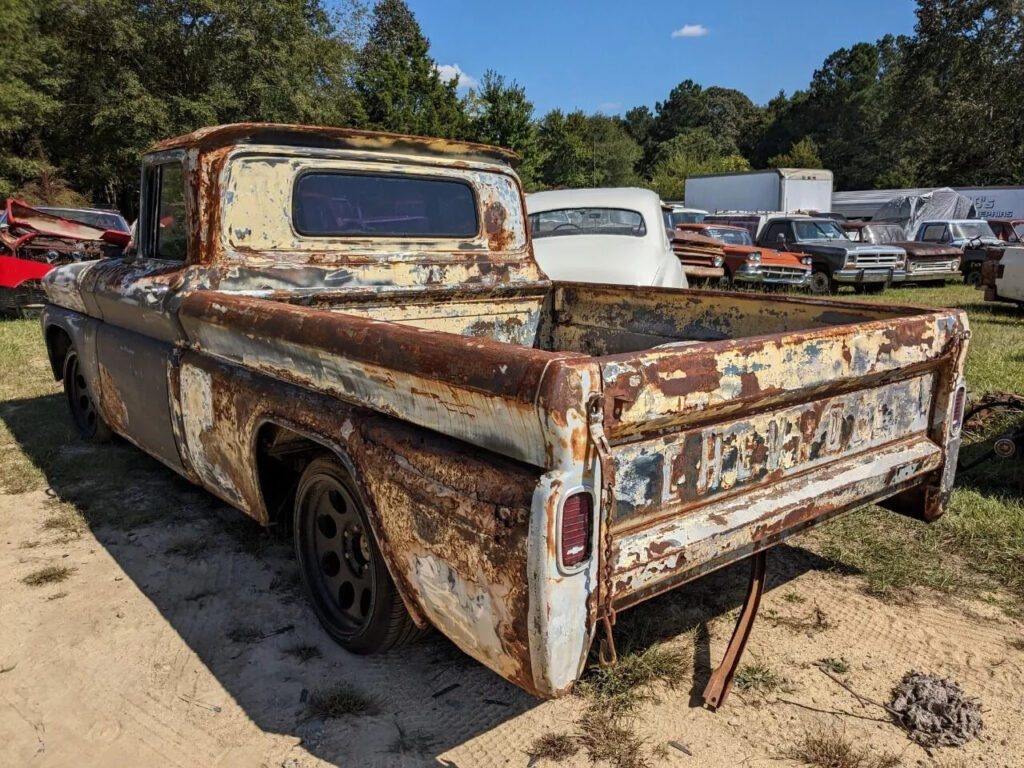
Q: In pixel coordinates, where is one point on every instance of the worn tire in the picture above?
(346, 579)
(84, 415)
(822, 284)
(973, 276)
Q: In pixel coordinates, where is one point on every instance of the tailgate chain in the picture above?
(606, 610)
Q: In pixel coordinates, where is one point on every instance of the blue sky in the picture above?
(608, 56)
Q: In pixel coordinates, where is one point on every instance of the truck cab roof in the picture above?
(330, 137)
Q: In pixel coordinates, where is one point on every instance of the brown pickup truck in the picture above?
(344, 334)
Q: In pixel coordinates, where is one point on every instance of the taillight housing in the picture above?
(958, 408)
(575, 532)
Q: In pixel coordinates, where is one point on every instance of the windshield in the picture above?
(1019, 231)
(881, 234)
(98, 219)
(729, 236)
(686, 217)
(818, 230)
(972, 229)
(587, 221)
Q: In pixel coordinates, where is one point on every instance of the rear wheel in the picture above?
(822, 283)
(81, 402)
(345, 576)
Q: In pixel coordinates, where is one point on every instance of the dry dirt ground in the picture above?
(183, 640)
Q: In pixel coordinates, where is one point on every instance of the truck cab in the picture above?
(836, 260)
(974, 237)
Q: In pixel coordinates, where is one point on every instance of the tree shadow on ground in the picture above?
(232, 592)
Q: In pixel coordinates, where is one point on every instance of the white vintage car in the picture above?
(1004, 280)
(603, 236)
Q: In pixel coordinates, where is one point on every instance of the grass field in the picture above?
(977, 548)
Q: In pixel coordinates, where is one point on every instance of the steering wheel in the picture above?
(563, 226)
(975, 242)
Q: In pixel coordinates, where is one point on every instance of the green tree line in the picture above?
(87, 85)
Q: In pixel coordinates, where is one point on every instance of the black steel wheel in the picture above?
(992, 444)
(345, 575)
(81, 402)
(973, 274)
(821, 283)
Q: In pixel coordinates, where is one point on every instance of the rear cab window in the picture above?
(587, 221)
(364, 205)
(934, 233)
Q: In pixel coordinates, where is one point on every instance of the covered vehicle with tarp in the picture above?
(910, 210)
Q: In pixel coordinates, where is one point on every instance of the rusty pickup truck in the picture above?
(345, 335)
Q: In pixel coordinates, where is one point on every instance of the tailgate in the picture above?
(720, 449)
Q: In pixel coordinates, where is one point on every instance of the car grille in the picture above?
(926, 267)
(783, 273)
(877, 259)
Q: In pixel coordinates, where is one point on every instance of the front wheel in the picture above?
(345, 576)
(822, 283)
(81, 402)
(973, 275)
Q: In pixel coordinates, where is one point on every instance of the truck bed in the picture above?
(732, 420)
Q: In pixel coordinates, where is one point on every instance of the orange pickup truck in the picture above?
(748, 263)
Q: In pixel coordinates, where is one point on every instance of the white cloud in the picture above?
(691, 30)
(449, 72)
(609, 106)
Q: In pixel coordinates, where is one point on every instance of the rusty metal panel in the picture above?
(670, 473)
(451, 520)
(655, 558)
(521, 402)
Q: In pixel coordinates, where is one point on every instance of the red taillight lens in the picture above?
(577, 512)
(958, 407)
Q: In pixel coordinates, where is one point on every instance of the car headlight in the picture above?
(911, 266)
(719, 261)
(754, 258)
(956, 265)
(851, 260)
(807, 260)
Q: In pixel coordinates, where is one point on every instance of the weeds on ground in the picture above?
(64, 518)
(417, 742)
(793, 597)
(552, 746)
(831, 749)
(814, 622)
(838, 666)
(1017, 643)
(757, 677)
(621, 687)
(605, 737)
(244, 633)
(339, 701)
(51, 574)
(303, 653)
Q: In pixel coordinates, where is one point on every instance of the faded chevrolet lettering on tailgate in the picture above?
(681, 468)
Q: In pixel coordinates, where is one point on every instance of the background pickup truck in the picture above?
(344, 334)
(836, 259)
(926, 262)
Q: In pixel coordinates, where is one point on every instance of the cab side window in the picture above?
(771, 235)
(170, 236)
(934, 233)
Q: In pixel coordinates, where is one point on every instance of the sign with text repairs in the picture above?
(766, 447)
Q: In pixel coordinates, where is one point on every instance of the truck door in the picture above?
(135, 296)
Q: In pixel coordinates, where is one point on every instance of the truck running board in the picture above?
(717, 689)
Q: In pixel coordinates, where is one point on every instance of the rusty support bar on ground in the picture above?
(717, 689)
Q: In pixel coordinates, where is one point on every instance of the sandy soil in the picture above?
(131, 661)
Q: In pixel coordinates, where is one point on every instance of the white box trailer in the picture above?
(781, 189)
(990, 202)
